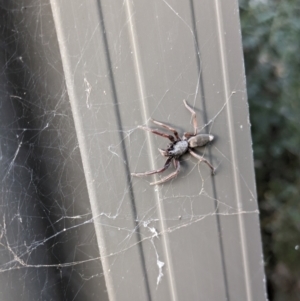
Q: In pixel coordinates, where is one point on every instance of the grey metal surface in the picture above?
(197, 237)
(124, 62)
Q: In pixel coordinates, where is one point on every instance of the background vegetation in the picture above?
(271, 41)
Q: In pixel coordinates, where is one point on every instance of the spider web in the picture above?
(73, 220)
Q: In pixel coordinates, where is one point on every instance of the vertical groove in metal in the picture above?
(124, 153)
(236, 180)
(137, 64)
(214, 190)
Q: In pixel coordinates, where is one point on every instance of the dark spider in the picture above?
(178, 147)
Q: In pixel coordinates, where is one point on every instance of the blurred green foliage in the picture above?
(271, 41)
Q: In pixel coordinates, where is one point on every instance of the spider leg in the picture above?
(203, 160)
(193, 116)
(170, 137)
(170, 176)
(167, 127)
(147, 173)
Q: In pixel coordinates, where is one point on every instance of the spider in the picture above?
(178, 147)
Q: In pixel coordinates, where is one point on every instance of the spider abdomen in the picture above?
(179, 148)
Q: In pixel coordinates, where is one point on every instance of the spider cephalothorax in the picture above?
(178, 147)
